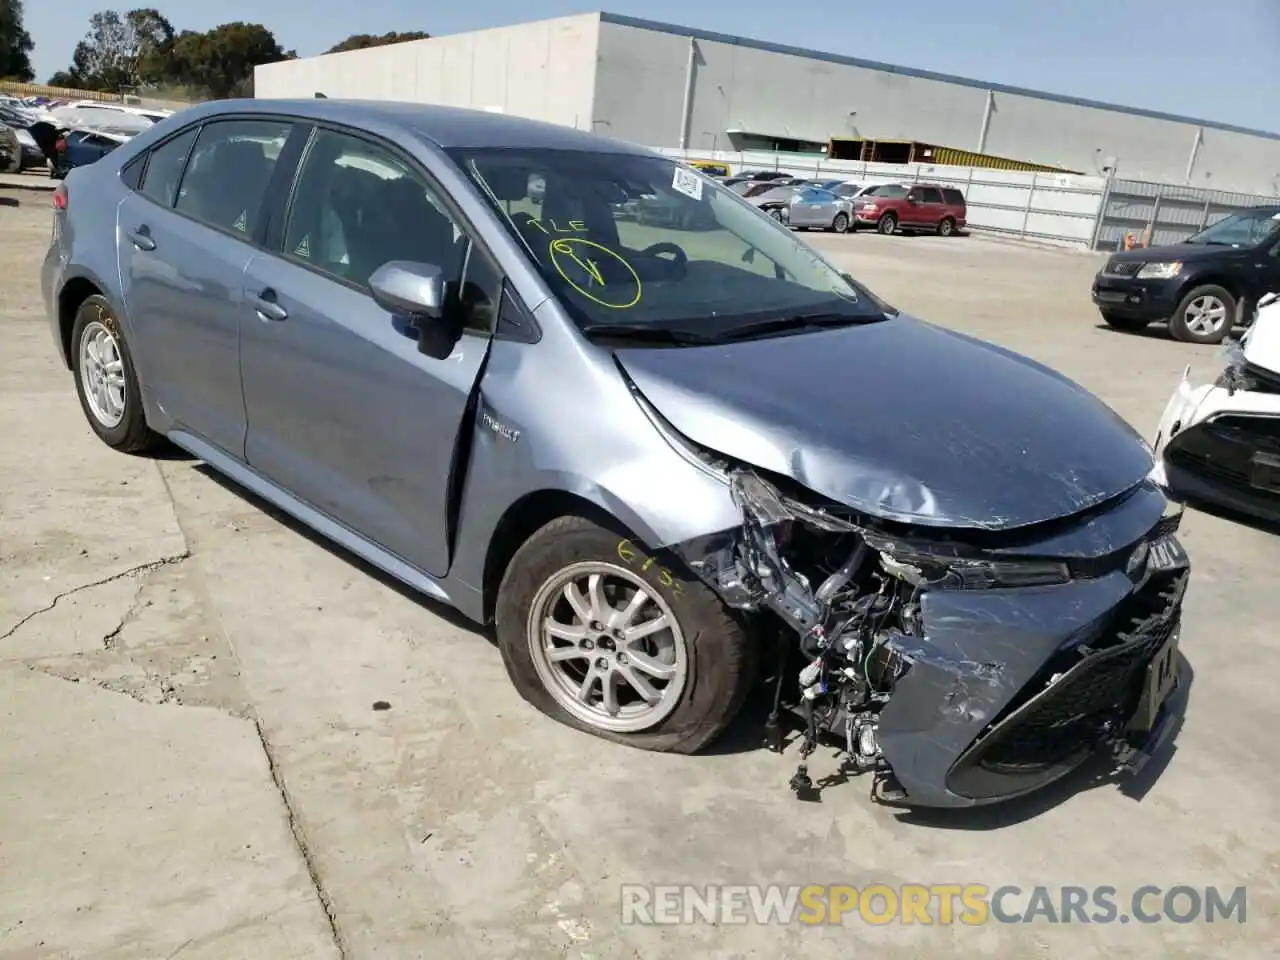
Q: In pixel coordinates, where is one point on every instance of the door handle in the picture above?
(140, 237)
(267, 308)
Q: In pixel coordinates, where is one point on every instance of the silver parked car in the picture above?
(662, 463)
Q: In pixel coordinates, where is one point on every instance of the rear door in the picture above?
(343, 410)
(185, 239)
(930, 211)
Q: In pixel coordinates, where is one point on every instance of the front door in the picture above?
(184, 243)
(343, 409)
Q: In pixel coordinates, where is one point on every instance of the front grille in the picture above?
(1123, 268)
(1094, 689)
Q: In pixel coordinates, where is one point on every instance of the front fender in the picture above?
(550, 421)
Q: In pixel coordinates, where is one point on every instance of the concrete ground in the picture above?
(191, 764)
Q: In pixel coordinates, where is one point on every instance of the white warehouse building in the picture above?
(669, 86)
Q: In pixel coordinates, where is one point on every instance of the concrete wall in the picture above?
(541, 70)
(640, 89)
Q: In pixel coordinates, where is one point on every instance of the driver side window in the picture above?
(357, 206)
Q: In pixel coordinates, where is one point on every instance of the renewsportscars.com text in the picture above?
(941, 904)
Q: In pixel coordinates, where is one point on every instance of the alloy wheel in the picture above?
(608, 647)
(102, 374)
(1205, 315)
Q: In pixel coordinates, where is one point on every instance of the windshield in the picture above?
(890, 191)
(640, 240)
(1245, 229)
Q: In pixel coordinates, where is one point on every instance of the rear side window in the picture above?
(164, 169)
(226, 179)
(952, 196)
(930, 195)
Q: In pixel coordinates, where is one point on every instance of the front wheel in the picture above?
(1205, 315)
(888, 224)
(606, 636)
(841, 223)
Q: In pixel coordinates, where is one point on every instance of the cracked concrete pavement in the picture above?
(192, 764)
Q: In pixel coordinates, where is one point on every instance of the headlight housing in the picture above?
(939, 567)
(1164, 270)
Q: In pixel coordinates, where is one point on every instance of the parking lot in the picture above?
(192, 764)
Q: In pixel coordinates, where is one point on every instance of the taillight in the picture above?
(61, 145)
(60, 197)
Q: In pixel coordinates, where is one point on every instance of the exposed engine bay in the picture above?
(853, 596)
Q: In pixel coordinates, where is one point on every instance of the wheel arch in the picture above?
(534, 510)
(75, 290)
(1212, 278)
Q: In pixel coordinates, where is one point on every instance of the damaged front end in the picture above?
(1219, 437)
(957, 674)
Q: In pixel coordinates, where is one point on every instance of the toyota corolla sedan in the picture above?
(665, 465)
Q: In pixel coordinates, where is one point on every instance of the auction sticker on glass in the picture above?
(687, 182)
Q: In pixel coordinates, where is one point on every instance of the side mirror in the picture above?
(417, 291)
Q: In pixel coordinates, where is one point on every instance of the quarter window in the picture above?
(164, 169)
(226, 180)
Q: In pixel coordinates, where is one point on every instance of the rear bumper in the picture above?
(1138, 299)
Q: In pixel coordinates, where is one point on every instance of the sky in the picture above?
(1193, 58)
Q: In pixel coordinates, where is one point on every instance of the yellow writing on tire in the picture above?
(580, 255)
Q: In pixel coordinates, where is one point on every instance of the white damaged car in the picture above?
(1219, 441)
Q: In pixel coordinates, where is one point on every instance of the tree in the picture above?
(222, 60)
(122, 50)
(15, 44)
(140, 48)
(363, 41)
(66, 79)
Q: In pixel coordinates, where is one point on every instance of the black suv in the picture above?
(1202, 286)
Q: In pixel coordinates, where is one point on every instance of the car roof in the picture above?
(446, 127)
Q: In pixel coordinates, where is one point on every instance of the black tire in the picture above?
(1127, 324)
(131, 434)
(946, 227)
(776, 213)
(841, 223)
(888, 224)
(720, 655)
(1181, 325)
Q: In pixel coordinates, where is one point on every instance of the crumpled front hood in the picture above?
(901, 420)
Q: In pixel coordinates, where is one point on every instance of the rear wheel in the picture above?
(888, 224)
(1127, 324)
(1205, 315)
(841, 223)
(605, 636)
(947, 227)
(106, 381)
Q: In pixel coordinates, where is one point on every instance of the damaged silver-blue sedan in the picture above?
(668, 462)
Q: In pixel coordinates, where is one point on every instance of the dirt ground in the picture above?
(191, 765)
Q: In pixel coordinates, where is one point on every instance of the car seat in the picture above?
(229, 184)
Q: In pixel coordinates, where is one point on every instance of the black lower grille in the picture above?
(1086, 692)
(1224, 450)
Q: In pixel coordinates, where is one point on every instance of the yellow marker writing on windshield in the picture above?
(568, 253)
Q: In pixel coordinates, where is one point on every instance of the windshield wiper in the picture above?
(798, 321)
(644, 332)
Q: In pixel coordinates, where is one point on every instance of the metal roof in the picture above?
(713, 37)
(448, 127)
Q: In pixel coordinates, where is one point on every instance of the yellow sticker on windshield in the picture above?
(575, 257)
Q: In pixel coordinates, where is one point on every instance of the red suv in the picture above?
(918, 206)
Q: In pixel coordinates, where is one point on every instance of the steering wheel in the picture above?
(680, 257)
